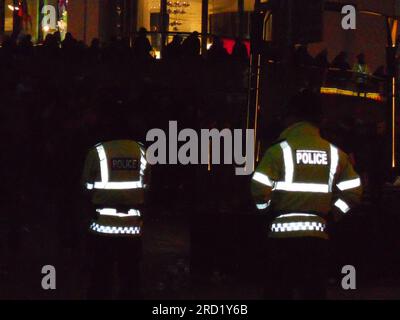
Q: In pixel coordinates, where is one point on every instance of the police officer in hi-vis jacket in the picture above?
(301, 180)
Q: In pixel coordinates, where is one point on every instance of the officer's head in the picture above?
(361, 58)
(305, 105)
(119, 119)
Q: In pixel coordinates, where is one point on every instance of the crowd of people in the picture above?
(339, 72)
(341, 61)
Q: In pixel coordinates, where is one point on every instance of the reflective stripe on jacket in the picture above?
(301, 178)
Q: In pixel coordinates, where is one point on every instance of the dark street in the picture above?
(199, 150)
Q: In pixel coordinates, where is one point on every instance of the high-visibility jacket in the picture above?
(301, 179)
(116, 173)
(362, 71)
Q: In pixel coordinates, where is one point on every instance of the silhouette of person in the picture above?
(69, 43)
(191, 45)
(26, 45)
(340, 61)
(174, 49)
(321, 59)
(302, 57)
(239, 51)
(141, 45)
(217, 51)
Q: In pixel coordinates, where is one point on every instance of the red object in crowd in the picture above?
(229, 44)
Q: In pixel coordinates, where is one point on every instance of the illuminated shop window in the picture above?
(8, 16)
(184, 16)
(249, 5)
(223, 17)
(225, 20)
(149, 17)
(20, 17)
(229, 20)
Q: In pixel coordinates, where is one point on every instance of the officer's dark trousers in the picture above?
(296, 269)
(114, 260)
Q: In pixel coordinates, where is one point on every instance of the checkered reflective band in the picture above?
(298, 226)
(114, 230)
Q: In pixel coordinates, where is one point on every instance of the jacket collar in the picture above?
(300, 129)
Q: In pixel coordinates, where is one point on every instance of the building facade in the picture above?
(370, 36)
(103, 19)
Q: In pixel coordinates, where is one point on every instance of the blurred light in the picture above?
(62, 25)
(257, 107)
(394, 122)
(336, 91)
(46, 28)
(12, 8)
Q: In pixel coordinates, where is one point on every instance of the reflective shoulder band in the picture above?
(263, 179)
(333, 166)
(342, 206)
(349, 184)
(288, 160)
(103, 163)
(143, 163)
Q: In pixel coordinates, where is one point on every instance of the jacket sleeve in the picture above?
(348, 189)
(90, 170)
(265, 176)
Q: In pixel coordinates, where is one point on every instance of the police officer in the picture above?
(362, 72)
(116, 176)
(301, 179)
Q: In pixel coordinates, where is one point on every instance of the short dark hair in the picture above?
(305, 105)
